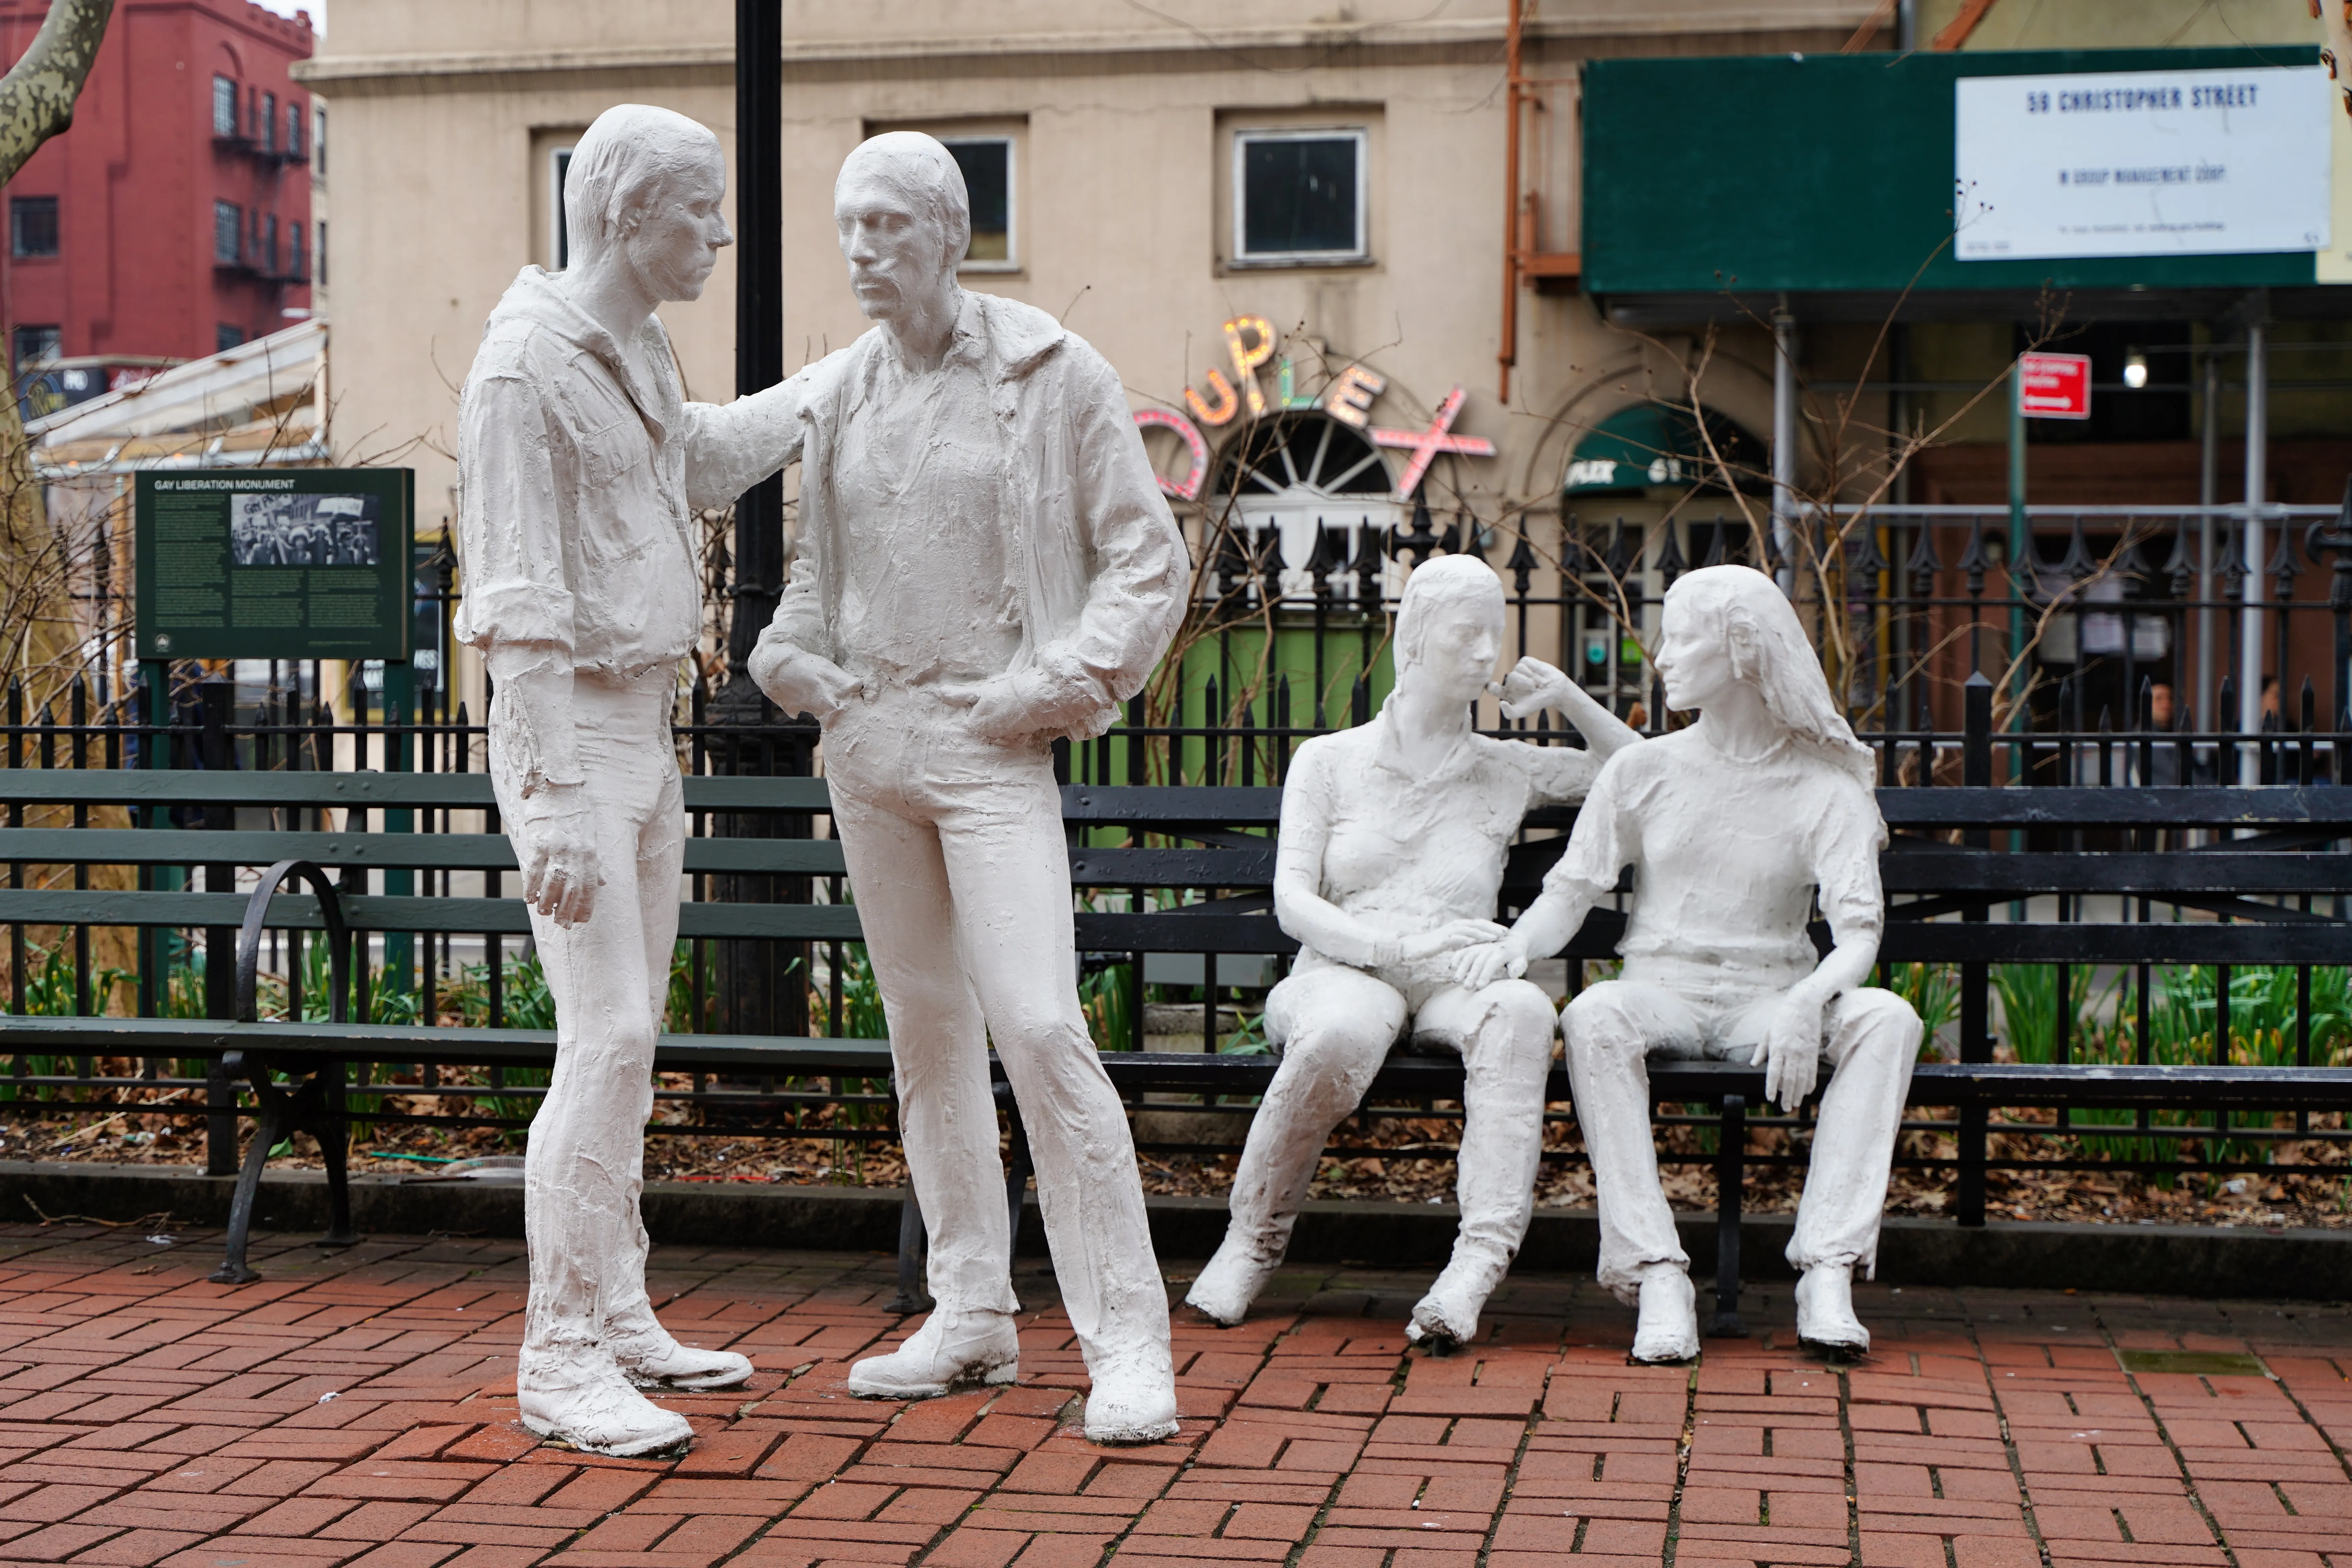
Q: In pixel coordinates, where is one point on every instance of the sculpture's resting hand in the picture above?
(1050, 697)
(1452, 936)
(559, 874)
(1475, 968)
(1534, 686)
(799, 681)
(1791, 1051)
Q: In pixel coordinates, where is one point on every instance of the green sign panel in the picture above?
(1765, 173)
(275, 563)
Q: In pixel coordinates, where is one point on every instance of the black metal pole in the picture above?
(762, 985)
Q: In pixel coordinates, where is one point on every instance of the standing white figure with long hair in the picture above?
(1734, 827)
(1394, 836)
(581, 465)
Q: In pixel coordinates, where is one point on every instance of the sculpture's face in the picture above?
(1693, 658)
(1458, 649)
(679, 234)
(893, 248)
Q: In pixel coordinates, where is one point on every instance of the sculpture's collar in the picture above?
(999, 338)
(1388, 752)
(536, 297)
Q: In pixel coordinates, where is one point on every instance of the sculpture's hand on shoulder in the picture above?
(560, 873)
(1475, 968)
(799, 681)
(1792, 1049)
(1533, 687)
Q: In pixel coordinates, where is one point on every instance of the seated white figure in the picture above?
(1734, 828)
(1393, 840)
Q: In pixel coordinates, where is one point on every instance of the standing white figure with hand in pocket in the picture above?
(581, 466)
(1393, 840)
(1734, 828)
(985, 563)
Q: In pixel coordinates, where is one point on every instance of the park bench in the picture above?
(1219, 846)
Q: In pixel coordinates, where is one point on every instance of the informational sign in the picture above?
(2053, 386)
(2141, 163)
(275, 563)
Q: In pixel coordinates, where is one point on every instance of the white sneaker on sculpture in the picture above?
(580, 1397)
(1448, 1316)
(1133, 1399)
(951, 1351)
(650, 1357)
(1228, 1284)
(1667, 1330)
(1826, 1310)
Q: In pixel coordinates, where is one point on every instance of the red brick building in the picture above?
(173, 219)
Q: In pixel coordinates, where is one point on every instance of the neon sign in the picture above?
(1250, 343)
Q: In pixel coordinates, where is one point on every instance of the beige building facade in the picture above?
(1126, 132)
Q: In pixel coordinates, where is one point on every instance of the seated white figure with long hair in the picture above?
(1734, 828)
(1393, 840)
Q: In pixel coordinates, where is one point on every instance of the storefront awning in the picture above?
(1658, 444)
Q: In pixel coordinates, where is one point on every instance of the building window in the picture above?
(270, 122)
(294, 131)
(228, 224)
(318, 255)
(318, 142)
(253, 114)
(253, 236)
(269, 246)
(294, 253)
(37, 345)
(224, 106)
(1298, 195)
(32, 225)
(225, 337)
(987, 165)
(559, 170)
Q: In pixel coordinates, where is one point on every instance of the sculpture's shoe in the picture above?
(1447, 1317)
(652, 1359)
(582, 1399)
(1133, 1399)
(951, 1351)
(1826, 1310)
(1667, 1330)
(1228, 1284)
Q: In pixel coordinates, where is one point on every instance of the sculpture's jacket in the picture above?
(578, 486)
(1098, 572)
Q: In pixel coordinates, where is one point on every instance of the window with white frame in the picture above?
(987, 165)
(1299, 195)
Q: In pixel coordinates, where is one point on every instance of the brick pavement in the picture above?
(358, 1409)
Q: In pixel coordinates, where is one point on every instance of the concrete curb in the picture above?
(2167, 1260)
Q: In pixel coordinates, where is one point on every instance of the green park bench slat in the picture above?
(451, 851)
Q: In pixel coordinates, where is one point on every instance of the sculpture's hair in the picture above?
(631, 151)
(922, 170)
(1446, 580)
(1775, 658)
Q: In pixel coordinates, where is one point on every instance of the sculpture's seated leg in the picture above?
(1504, 1034)
(1334, 1025)
(1871, 1043)
(1612, 1028)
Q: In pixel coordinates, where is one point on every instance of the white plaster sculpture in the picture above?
(1393, 840)
(580, 465)
(985, 562)
(1734, 828)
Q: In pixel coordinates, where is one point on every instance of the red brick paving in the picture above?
(357, 1409)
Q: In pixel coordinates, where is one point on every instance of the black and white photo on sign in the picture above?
(303, 530)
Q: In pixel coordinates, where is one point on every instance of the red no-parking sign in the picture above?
(2053, 386)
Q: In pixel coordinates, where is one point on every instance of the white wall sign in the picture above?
(2141, 163)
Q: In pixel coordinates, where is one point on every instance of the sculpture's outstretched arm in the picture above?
(1533, 685)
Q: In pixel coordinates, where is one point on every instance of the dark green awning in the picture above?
(1658, 444)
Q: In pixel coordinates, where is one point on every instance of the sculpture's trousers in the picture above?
(584, 1174)
(1870, 1041)
(962, 879)
(1335, 1026)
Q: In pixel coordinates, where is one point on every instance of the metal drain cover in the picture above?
(2194, 1363)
